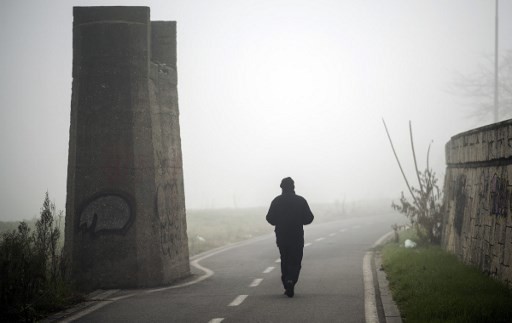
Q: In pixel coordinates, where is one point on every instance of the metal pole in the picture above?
(496, 80)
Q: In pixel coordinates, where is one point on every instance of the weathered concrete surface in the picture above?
(478, 222)
(170, 195)
(125, 210)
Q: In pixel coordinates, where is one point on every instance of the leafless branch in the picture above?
(399, 164)
(414, 157)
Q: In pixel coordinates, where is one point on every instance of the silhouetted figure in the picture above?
(288, 212)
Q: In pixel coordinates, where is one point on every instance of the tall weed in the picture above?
(31, 275)
(425, 209)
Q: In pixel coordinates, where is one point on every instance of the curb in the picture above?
(391, 311)
(91, 300)
(100, 298)
(378, 302)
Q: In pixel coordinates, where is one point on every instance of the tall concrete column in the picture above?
(170, 195)
(125, 210)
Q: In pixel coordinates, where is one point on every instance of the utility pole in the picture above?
(496, 79)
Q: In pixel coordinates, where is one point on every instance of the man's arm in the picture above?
(271, 214)
(307, 216)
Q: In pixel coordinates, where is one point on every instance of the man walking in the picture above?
(288, 212)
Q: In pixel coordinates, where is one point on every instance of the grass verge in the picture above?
(431, 285)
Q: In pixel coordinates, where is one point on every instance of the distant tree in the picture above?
(477, 88)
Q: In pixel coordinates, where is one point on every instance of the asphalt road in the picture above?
(245, 285)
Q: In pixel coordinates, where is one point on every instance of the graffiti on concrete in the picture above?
(106, 213)
(483, 194)
(479, 231)
(166, 211)
(499, 197)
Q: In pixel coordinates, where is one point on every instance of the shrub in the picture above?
(425, 210)
(31, 280)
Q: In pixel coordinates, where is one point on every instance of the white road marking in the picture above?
(343, 230)
(332, 234)
(207, 272)
(384, 238)
(256, 282)
(238, 300)
(99, 305)
(194, 261)
(218, 320)
(320, 239)
(370, 298)
(370, 307)
(269, 269)
(308, 244)
(278, 260)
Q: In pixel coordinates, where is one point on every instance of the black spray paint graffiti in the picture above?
(106, 213)
(483, 193)
(499, 198)
(167, 211)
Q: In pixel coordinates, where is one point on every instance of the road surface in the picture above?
(243, 283)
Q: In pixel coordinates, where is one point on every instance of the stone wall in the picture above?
(477, 226)
(125, 209)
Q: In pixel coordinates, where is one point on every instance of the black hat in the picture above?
(287, 183)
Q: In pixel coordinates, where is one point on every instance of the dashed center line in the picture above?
(238, 300)
(256, 282)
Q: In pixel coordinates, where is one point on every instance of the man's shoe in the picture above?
(289, 288)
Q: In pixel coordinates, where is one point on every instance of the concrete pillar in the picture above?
(125, 210)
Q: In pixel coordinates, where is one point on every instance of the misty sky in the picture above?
(267, 89)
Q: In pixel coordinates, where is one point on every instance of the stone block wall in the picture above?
(125, 208)
(477, 225)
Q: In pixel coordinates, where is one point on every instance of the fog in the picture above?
(267, 89)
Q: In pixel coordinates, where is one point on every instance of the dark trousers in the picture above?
(291, 259)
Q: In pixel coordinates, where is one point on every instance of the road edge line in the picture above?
(194, 261)
(370, 286)
(370, 304)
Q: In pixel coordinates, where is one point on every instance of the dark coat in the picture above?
(288, 212)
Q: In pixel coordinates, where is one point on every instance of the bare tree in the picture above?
(477, 88)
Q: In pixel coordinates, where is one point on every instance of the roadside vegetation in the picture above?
(424, 209)
(432, 285)
(427, 283)
(32, 270)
